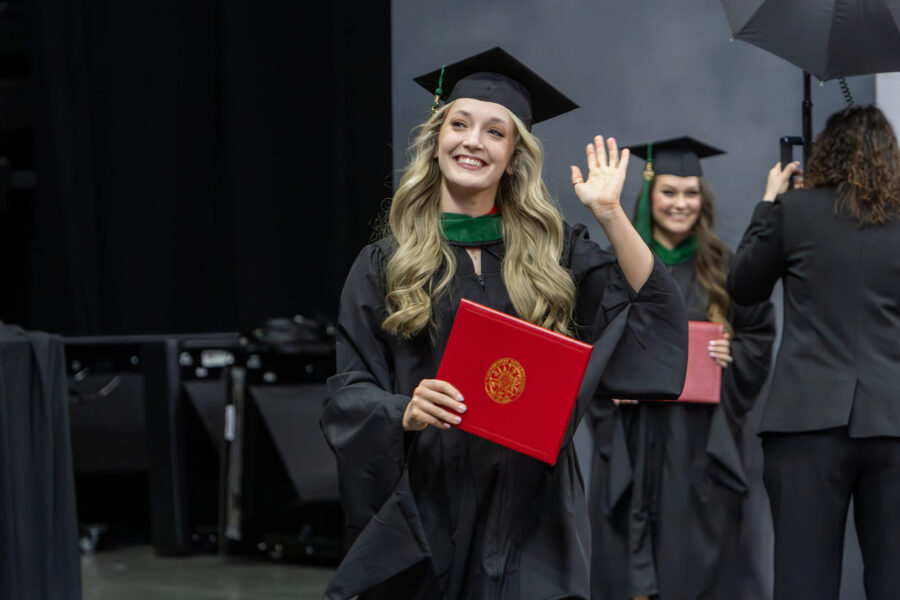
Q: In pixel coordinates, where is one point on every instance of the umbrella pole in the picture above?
(807, 118)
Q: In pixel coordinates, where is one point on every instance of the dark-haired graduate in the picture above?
(668, 482)
(432, 511)
(831, 426)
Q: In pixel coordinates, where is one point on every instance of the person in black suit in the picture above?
(831, 428)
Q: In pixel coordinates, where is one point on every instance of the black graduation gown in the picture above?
(445, 514)
(667, 480)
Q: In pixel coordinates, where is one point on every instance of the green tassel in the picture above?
(439, 91)
(642, 219)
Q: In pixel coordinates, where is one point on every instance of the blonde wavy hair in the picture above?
(422, 264)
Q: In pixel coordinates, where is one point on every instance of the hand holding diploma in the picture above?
(434, 402)
(720, 350)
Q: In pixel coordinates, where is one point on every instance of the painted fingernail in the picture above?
(461, 408)
(457, 420)
(460, 398)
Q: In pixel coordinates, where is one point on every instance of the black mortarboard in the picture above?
(495, 76)
(678, 156)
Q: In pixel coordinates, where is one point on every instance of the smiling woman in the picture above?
(433, 511)
(475, 144)
(675, 208)
(670, 531)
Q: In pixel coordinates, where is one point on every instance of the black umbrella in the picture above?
(827, 38)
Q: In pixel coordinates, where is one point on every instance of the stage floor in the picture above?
(133, 572)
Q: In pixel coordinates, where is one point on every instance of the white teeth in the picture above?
(465, 160)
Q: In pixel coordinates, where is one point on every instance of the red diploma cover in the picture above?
(703, 382)
(519, 380)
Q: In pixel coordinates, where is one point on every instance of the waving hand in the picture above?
(606, 176)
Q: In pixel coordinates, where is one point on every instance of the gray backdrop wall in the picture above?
(641, 70)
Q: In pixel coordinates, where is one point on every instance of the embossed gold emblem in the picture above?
(504, 381)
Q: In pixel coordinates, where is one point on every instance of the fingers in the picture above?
(777, 181)
(591, 157)
(576, 176)
(421, 413)
(601, 151)
(723, 345)
(787, 170)
(720, 350)
(623, 159)
(432, 409)
(613, 150)
(720, 356)
(415, 419)
(438, 385)
(436, 403)
(600, 154)
(441, 394)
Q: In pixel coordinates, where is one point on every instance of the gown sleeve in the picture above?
(759, 261)
(640, 339)
(654, 335)
(742, 382)
(362, 418)
(751, 351)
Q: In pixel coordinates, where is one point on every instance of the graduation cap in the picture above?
(678, 156)
(496, 76)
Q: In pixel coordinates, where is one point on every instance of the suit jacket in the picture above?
(839, 361)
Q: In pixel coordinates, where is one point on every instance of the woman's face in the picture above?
(676, 206)
(475, 144)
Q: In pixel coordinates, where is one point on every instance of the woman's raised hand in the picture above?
(434, 402)
(606, 176)
(777, 182)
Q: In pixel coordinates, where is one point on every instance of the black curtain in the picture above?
(203, 165)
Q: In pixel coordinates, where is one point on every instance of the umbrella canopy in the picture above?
(827, 38)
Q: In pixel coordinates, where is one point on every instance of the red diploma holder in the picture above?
(703, 382)
(519, 381)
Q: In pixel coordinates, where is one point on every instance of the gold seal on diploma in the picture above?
(504, 381)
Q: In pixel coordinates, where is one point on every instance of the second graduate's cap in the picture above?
(496, 76)
(677, 156)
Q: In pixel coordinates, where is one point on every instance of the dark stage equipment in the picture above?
(213, 438)
(129, 439)
(280, 479)
(109, 443)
